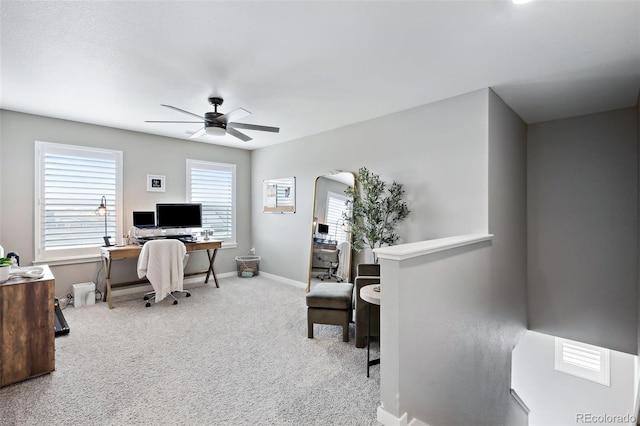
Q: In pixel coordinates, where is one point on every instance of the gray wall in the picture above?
(459, 314)
(508, 261)
(453, 341)
(637, 410)
(508, 211)
(432, 150)
(142, 154)
(583, 229)
(441, 154)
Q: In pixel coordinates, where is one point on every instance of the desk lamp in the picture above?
(103, 211)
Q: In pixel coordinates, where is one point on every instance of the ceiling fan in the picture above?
(218, 124)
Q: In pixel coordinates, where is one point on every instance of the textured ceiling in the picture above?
(308, 67)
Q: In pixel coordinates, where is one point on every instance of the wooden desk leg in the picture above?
(107, 282)
(211, 271)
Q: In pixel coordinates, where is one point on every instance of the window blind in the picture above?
(71, 183)
(213, 185)
(336, 207)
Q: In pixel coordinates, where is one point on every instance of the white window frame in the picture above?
(229, 242)
(71, 254)
(582, 360)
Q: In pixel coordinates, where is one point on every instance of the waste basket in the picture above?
(248, 266)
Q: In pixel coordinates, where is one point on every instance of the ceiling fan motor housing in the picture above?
(211, 120)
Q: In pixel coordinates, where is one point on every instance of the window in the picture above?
(582, 360)
(336, 207)
(214, 186)
(69, 185)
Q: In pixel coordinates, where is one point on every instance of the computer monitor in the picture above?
(144, 219)
(185, 215)
(323, 229)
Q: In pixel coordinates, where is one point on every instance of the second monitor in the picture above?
(144, 219)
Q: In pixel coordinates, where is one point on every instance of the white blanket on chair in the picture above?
(343, 263)
(161, 261)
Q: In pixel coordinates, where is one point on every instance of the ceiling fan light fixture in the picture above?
(215, 131)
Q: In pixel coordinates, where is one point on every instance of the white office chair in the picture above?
(330, 259)
(162, 262)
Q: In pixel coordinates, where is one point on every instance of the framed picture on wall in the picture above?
(279, 195)
(156, 183)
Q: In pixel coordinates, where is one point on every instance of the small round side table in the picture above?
(371, 295)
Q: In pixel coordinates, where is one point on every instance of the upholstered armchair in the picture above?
(367, 274)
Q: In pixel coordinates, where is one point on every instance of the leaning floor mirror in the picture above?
(330, 254)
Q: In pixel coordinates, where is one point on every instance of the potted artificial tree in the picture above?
(376, 209)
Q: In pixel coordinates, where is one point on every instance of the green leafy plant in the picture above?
(375, 210)
(5, 261)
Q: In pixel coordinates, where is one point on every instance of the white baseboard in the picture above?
(190, 282)
(520, 402)
(388, 419)
(227, 275)
(131, 289)
(284, 280)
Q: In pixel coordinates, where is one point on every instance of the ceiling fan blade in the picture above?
(198, 133)
(237, 134)
(234, 115)
(183, 111)
(156, 121)
(253, 127)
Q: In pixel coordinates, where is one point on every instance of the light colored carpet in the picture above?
(234, 355)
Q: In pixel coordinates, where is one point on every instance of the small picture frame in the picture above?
(156, 183)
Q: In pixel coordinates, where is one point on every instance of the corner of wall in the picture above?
(638, 271)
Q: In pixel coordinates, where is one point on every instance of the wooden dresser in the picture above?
(27, 328)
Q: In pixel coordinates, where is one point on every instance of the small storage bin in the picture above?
(248, 266)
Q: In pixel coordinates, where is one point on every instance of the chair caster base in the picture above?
(148, 304)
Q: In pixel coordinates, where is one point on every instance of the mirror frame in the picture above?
(312, 233)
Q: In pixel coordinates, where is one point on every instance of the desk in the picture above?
(324, 246)
(133, 251)
(27, 328)
(369, 295)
